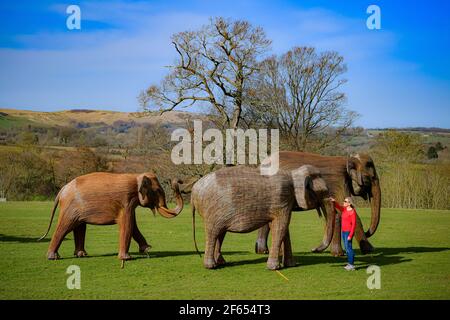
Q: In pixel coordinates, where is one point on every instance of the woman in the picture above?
(348, 223)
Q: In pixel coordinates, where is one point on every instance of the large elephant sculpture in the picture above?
(345, 176)
(106, 198)
(240, 199)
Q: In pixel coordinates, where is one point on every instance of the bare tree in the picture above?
(299, 94)
(212, 69)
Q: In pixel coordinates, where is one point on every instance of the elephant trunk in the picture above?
(375, 206)
(170, 213)
(330, 213)
(186, 187)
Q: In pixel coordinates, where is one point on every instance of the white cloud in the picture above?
(101, 69)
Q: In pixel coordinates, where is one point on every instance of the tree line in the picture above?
(34, 172)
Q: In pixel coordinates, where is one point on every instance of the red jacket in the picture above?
(348, 220)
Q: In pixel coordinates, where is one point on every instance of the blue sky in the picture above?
(397, 76)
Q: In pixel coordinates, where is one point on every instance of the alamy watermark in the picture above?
(74, 280)
(73, 21)
(373, 22)
(221, 150)
(374, 280)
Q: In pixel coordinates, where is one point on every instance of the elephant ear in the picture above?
(372, 170)
(144, 187)
(303, 186)
(352, 170)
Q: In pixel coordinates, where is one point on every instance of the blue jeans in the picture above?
(348, 247)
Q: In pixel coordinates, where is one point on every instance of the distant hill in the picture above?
(102, 127)
(83, 117)
(416, 129)
(90, 118)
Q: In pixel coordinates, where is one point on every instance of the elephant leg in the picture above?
(288, 258)
(261, 240)
(62, 229)
(79, 235)
(360, 236)
(126, 223)
(218, 250)
(336, 246)
(144, 247)
(211, 240)
(279, 229)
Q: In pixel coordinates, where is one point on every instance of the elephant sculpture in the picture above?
(107, 198)
(240, 199)
(345, 176)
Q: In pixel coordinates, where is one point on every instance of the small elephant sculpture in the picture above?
(106, 198)
(240, 199)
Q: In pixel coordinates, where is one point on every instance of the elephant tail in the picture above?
(193, 228)
(53, 214)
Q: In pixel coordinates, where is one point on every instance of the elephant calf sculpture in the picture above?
(240, 199)
(107, 198)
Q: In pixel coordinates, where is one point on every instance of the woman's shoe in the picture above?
(349, 267)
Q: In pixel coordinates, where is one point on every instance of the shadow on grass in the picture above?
(361, 261)
(382, 256)
(6, 238)
(152, 254)
(392, 251)
(241, 262)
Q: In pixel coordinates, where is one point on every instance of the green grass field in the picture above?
(8, 122)
(412, 250)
